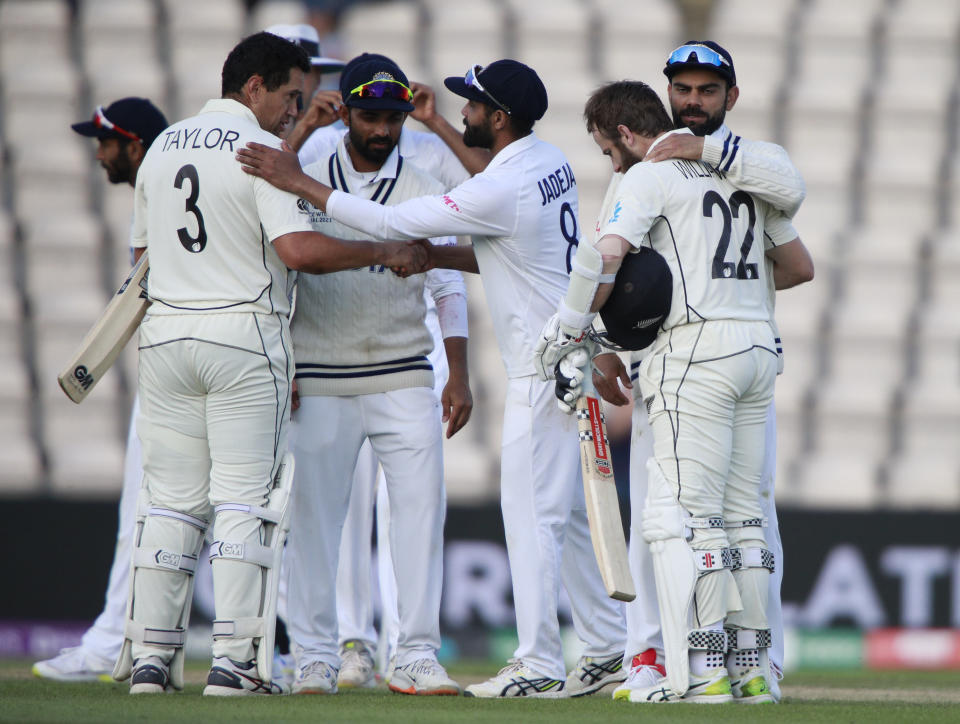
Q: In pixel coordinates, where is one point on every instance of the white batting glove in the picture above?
(570, 371)
(556, 340)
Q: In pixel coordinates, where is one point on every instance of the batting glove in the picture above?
(556, 340)
(570, 371)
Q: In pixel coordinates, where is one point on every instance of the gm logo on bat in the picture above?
(83, 376)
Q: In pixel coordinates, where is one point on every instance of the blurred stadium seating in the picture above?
(863, 93)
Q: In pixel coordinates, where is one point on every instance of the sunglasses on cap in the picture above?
(704, 55)
(383, 88)
(100, 120)
(472, 79)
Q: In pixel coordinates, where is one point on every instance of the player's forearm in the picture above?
(300, 133)
(310, 189)
(457, 257)
(317, 253)
(456, 351)
(474, 160)
(792, 264)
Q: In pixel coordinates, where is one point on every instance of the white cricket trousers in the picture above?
(707, 387)
(643, 615)
(215, 401)
(547, 534)
(403, 427)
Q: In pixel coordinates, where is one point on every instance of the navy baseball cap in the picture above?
(135, 119)
(375, 82)
(506, 84)
(701, 55)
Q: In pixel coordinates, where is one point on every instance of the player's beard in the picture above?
(119, 170)
(478, 136)
(703, 126)
(375, 149)
(627, 158)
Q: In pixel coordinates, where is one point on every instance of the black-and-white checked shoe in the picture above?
(592, 673)
(237, 678)
(150, 676)
(516, 679)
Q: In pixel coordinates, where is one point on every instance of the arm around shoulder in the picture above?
(792, 264)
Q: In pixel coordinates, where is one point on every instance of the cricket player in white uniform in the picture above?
(124, 132)
(522, 214)
(705, 89)
(707, 383)
(361, 344)
(215, 371)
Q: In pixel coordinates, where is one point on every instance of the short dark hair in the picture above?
(631, 103)
(264, 54)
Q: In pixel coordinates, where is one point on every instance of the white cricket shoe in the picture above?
(284, 670)
(517, 679)
(751, 687)
(150, 676)
(356, 666)
(423, 677)
(592, 673)
(644, 673)
(773, 680)
(238, 678)
(713, 689)
(74, 664)
(317, 677)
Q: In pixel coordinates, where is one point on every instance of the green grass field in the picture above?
(860, 696)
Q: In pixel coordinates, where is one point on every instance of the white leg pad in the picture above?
(177, 555)
(753, 563)
(275, 522)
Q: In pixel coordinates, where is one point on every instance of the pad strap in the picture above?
(152, 636)
(198, 523)
(238, 628)
(745, 639)
(752, 558)
(591, 274)
(164, 560)
(271, 516)
(248, 552)
(714, 560)
(749, 523)
(715, 522)
(706, 640)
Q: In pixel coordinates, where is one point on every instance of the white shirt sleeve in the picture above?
(760, 168)
(639, 200)
(479, 206)
(777, 229)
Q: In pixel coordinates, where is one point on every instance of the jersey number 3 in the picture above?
(194, 244)
(723, 269)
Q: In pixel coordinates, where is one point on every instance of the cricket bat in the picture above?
(600, 490)
(103, 343)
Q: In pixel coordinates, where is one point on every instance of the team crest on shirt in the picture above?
(616, 213)
(314, 215)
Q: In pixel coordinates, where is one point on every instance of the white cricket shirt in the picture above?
(711, 234)
(523, 216)
(206, 223)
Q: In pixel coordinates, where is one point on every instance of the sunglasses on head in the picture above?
(472, 79)
(703, 53)
(383, 88)
(100, 120)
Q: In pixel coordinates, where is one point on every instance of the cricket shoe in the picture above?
(592, 673)
(238, 678)
(773, 680)
(644, 673)
(284, 670)
(74, 664)
(150, 676)
(317, 677)
(517, 679)
(751, 687)
(356, 666)
(713, 689)
(423, 677)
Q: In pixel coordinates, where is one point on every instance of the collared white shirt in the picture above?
(206, 223)
(711, 234)
(523, 216)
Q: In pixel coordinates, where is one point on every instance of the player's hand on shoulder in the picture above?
(280, 167)
(607, 369)
(424, 103)
(555, 341)
(676, 145)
